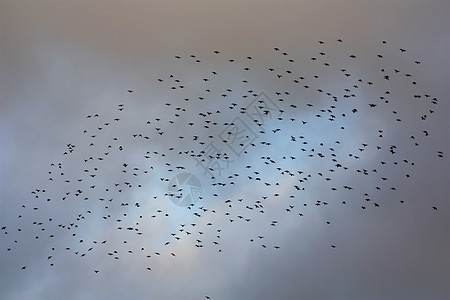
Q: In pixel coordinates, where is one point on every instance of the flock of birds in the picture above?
(285, 144)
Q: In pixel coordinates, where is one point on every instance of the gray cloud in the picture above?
(62, 61)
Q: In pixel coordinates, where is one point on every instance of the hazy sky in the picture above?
(62, 61)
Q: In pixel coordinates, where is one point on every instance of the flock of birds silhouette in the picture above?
(328, 161)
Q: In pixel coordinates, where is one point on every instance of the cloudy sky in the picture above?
(318, 170)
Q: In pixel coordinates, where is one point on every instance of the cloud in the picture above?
(67, 61)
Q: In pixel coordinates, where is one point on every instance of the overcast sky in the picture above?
(319, 170)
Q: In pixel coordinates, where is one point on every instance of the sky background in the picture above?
(61, 61)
